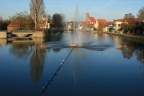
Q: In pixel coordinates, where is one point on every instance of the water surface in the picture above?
(104, 65)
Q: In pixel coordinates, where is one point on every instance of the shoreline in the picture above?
(132, 36)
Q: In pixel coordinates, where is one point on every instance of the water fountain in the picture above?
(75, 28)
(78, 39)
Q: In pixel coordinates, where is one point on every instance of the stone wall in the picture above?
(39, 34)
(3, 34)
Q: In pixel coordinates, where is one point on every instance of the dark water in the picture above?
(103, 65)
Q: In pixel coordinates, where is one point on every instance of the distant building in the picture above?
(43, 24)
(103, 25)
(117, 24)
(90, 19)
(11, 27)
(102, 22)
(90, 22)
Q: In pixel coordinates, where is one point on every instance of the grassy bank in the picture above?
(132, 36)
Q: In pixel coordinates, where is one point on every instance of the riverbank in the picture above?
(132, 36)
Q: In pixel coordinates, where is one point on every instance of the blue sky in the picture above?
(107, 9)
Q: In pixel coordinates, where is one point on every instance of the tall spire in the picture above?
(87, 16)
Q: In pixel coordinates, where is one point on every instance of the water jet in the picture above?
(75, 29)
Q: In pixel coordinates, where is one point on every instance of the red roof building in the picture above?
(11, 27)
(102, 21)
(90, 19)
(90, 22)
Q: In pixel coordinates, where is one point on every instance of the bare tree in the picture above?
(22, 21)
(37, 10)
(129, 22)
(141, 14)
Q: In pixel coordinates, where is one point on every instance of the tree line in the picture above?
(132, 24)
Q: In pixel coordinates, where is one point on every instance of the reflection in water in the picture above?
(76, 67)
(21, 49)
(92, 72)
(84, 40)
(37, 62)
(3, 42)
(56, 50)
(36, 50)
(130, 48)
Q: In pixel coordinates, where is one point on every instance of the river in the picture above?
(102, 65)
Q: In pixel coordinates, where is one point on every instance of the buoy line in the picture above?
(55, 73)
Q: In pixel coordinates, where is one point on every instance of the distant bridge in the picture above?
(23, 33)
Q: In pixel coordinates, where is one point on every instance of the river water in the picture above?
(101, 65)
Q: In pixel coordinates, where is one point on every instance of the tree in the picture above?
(1, 21)
(5, 23)
(23, 21)
(37, 10)
(102, 24)
(129, 21)
(141, 14)
(57, 20)
(129, 16)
